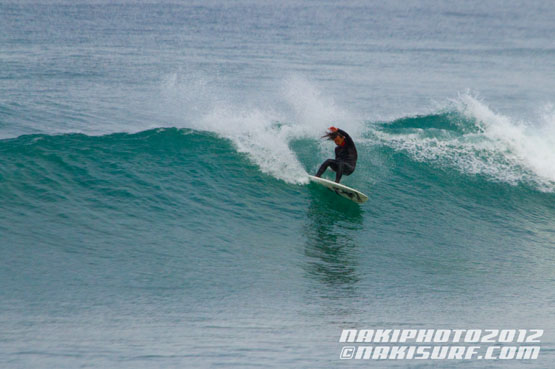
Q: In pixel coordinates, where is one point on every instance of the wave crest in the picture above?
(475, 140)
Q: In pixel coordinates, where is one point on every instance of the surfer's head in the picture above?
(339, 140)
(335, 136)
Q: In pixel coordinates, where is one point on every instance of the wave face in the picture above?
(466, 149)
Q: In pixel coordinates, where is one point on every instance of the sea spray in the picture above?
(264, 132)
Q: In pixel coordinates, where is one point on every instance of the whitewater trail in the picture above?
(265, 130)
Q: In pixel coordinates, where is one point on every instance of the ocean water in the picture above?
(154, 205)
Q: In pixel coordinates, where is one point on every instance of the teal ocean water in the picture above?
(154, 203)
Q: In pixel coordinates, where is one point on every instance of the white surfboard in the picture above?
(342, 190)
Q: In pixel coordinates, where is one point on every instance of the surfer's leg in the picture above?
(342, 168)
(339, 171)
(328, 163)
(348, 169)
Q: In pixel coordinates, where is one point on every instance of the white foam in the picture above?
(528, 144)
(501, 148)
(258, 134)
(313, 111)
(261, 128)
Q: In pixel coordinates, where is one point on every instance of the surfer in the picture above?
(345, 154)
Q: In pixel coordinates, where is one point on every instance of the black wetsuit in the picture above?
(345, 158)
